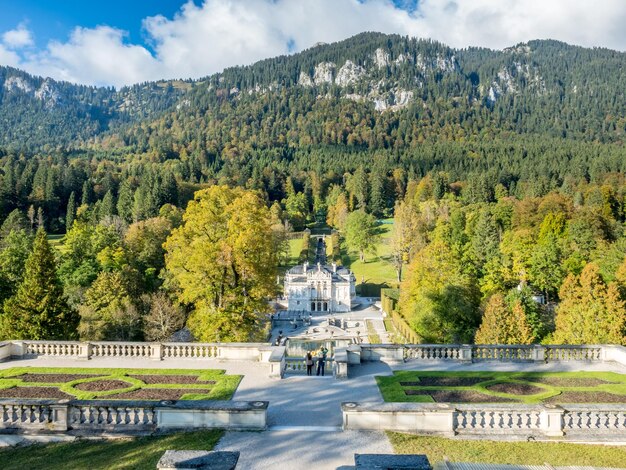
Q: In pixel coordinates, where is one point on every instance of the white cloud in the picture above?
(18, 37)
(8, 57)
(97, 56)
(200, 40)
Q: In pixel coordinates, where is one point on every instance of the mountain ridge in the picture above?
(579, 90)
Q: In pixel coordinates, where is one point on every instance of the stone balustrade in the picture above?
(137, 350)
(607, 422)
(295, 366)
(128, 416)
(482, 352)
(279, 364)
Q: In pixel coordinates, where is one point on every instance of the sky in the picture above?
(121, 42)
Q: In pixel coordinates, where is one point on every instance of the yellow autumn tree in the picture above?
(590, 312)
(504, 323)
(223, 261)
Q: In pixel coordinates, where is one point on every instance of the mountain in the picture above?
(371, 91)
(40, 113)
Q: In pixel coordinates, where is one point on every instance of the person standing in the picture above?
(309, 363)
(321, 362)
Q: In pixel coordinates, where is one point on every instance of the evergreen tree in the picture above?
(39, 309)
(86, 194)
(125, 202)
(70, 213)
(107, 209)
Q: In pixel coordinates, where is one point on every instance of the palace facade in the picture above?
(319, 288)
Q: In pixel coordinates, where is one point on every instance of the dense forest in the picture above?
(503, 170)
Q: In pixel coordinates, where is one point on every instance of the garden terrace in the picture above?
(500, 387)
(117, 384)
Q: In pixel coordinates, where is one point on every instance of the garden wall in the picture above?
(128, 416)
(601, 422)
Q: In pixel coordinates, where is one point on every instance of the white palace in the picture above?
(319, 288)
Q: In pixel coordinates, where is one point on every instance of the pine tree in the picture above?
(125, 202)
(86, 195)
(70, 214)
(107, 209)
(39, 309)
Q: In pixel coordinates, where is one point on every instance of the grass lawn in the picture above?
(56, 242)
(141, 384)
(295, 247)
(377, 270)
(502, 387)
(520, 453)
(137, 454)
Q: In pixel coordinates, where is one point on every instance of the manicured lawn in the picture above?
(520, 453)
(502, 387)
(138, 454)
(141, 384)
(377, 270)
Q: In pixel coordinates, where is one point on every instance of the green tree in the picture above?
(15, 250)
(406, 237)
(297, 210)
(438, 298)
(362, 233)
(39, 309)
(504, 322)
(108, 312)
(223, 261)
(107, 209)
(70, 213)
(590, 311)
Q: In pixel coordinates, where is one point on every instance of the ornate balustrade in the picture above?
(190, 350)
(137, 350)
(503, 353)
(490, 352)
(128, 417)
(596, 419)
(433, 351)
(573, 353)
(606, 422)
(298, 366)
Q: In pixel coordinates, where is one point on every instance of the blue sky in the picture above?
(55, 19)
(120, 42)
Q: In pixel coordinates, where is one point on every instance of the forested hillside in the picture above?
(500, 168)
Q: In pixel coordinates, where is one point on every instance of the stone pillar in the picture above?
(198, 460)
(539, 353)
(85, 351)
(277, 362)
(17, 349)
(341, 363)
(551, 421)
(60, 415)
(156, 351)
(466, 353)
